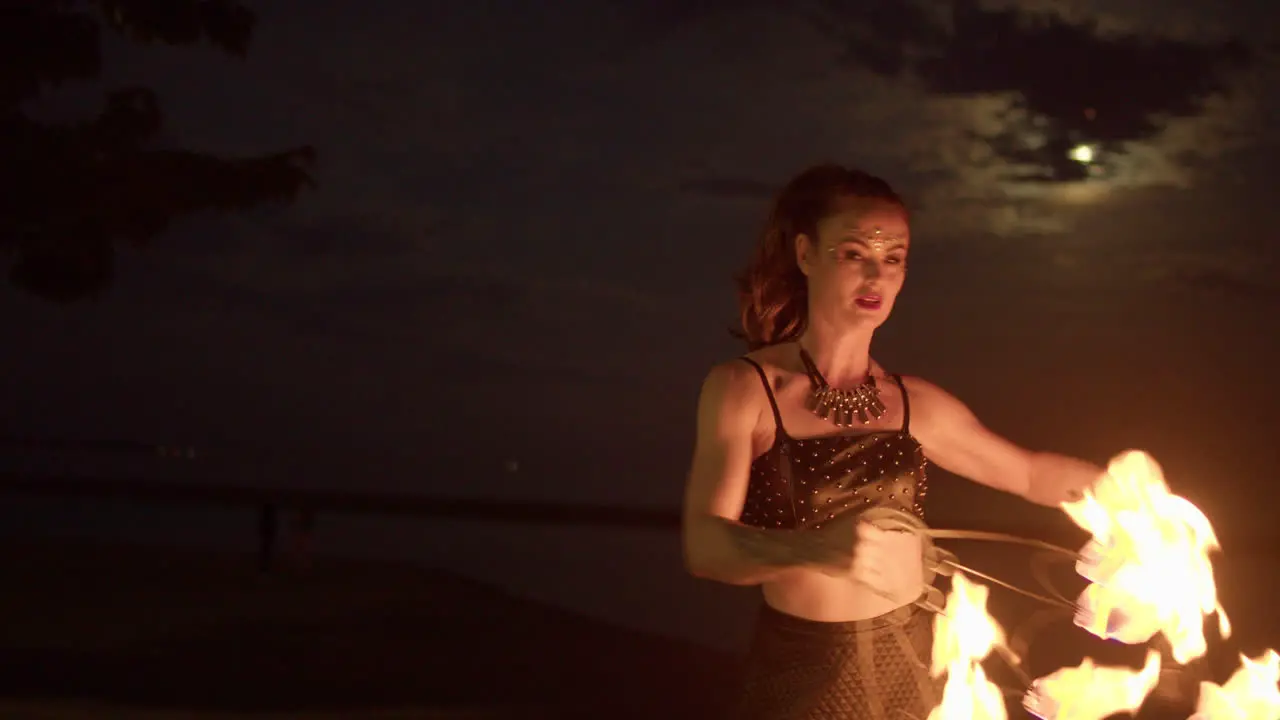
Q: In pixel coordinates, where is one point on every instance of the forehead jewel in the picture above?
(877, 237)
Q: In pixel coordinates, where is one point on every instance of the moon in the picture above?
(1082, 154)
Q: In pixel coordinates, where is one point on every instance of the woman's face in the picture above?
(856, 265)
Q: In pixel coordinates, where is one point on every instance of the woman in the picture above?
(804, 432)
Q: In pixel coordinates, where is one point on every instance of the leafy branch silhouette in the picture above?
(78, 190)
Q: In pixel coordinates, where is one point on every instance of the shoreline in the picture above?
(141, 630)
(101, 628)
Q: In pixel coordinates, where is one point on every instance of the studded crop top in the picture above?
(800, 483)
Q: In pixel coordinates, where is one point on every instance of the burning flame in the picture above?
(1252, 692)
(1149, 573)
(963, 637)
(969, 695)
(1091, 692)
(1148, 561)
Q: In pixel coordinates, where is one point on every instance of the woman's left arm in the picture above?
(954, 439)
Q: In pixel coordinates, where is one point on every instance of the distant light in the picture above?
(1082, 154)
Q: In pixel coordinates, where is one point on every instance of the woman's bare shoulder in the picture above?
(737, 383)
(731, 377)
(931, 402)
(923, 389)
(731, 398)
(772, 358)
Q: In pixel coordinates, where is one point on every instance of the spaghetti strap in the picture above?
(768, 389)
(906, 404)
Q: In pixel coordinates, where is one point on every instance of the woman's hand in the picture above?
(888, 561)
(877, 550)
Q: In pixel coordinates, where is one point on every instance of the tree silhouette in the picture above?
(77, 190)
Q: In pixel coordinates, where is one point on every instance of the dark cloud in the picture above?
(470, 368)
(342, 235)
(528, 227)
(496, 294)
(655, 19)
(729, 188)
(971, 110)
(1072, 82)
(353, 286)
(345, 236)
(1233, 284)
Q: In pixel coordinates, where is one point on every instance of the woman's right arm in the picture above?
(717, 546)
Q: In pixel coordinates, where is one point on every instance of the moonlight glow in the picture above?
(1082, 154)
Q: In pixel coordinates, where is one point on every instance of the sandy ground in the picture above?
(146, 633)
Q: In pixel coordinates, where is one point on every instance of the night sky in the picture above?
(528, 216)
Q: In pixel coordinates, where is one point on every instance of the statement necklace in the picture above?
(838, 405)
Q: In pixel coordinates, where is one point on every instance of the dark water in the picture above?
(634, 578)
(630, 577)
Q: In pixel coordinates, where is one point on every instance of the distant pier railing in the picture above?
(303, 506)
(306, 504)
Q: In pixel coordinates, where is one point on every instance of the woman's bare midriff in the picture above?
(814, 595)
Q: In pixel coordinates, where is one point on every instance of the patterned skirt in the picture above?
(877, 669)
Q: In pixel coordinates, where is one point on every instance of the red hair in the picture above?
(773, 294)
